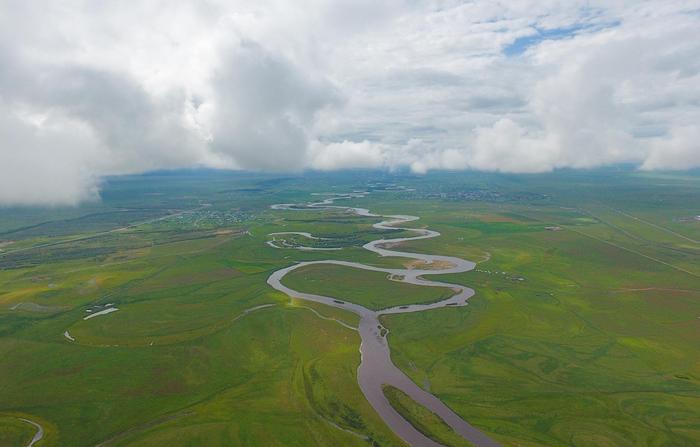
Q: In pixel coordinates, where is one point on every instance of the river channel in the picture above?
(376, 367)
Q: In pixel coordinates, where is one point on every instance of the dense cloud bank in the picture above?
(92, 89)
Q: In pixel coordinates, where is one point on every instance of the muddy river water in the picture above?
(376, 368)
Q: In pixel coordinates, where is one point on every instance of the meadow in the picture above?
(373, 290)
(583, 331)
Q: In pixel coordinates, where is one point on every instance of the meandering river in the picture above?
(376, 368)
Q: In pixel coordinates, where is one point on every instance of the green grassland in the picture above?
(373, 290)
(598, 345)
(423, 419)
(180, 362)
(14, 431)
(586, 336)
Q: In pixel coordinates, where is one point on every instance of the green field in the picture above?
(373, 290)
(583, 334)
(15, 431)
(423, 419)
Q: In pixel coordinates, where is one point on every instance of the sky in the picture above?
(90, 89)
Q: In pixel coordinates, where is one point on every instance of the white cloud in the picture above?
(508, 147)
(46, 159)
(522, 86)
(347, 154)
(679, 151)
(265, 107)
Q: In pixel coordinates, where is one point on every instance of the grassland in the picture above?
(598, 345)
(14, 431)
(587, 335)
(182, 361)
(373, 290)
(423, 419)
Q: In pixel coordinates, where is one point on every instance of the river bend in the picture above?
(376, 368)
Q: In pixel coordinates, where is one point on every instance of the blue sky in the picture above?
(521, 44)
